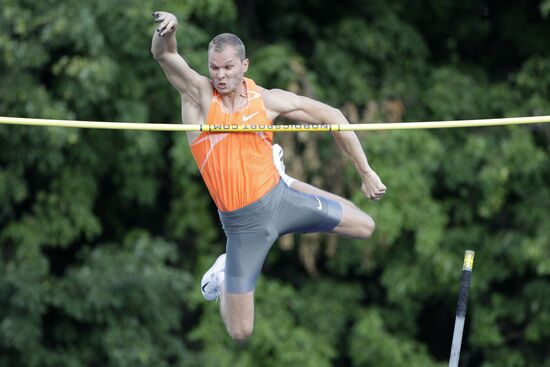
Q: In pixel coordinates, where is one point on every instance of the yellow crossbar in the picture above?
(275, 128)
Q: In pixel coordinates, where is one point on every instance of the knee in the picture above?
(242, 332)
(367, 229)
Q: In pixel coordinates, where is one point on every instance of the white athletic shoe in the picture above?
(280, 164)
(212, 280)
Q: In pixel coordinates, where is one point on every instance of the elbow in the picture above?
(339, 117)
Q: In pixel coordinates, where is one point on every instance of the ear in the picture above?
(245, 65)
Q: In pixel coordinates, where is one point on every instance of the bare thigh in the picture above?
(355, 222)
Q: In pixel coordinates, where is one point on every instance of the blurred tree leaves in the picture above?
(103, 234)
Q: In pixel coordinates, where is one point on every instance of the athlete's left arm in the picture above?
(292, 106)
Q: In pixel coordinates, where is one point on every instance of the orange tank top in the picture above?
(237, 168)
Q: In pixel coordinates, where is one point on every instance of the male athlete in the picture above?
(255, 205)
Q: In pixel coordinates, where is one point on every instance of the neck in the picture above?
(235, 100)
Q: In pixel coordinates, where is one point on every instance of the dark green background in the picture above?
(104, 235)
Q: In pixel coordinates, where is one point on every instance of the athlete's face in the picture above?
(226, 69)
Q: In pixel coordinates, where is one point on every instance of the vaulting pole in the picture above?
(461, 307)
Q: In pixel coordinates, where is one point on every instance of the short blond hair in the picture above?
(219, 42)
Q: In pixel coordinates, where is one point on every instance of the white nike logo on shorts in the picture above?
(246, 118)
(320, 206)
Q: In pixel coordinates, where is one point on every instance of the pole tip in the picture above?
(468, 260)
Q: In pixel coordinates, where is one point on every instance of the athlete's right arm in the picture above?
(187, 81)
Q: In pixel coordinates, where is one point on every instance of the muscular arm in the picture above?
(282, 103)
(187, 81)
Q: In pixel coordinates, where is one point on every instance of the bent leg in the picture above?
(355, 222)
(250, 235)
(237, 310)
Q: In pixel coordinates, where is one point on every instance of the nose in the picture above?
(220, 73)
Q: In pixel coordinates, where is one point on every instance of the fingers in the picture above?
(375, 193)
(166, 27)
(372, 186)
(158, 15)
(167, 22)
(377, 196)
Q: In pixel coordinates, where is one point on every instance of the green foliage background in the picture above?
(104, 235)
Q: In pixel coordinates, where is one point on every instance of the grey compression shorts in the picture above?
(252, 229)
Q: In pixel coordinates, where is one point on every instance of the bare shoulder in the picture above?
(204, 84)
(201, 84)
(206, 90)
(277, 93)
(280, 100)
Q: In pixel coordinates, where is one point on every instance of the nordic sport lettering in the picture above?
(266, 127)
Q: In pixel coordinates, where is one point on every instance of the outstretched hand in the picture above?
(372, 186)
(168, 22)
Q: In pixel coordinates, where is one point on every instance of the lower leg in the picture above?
(237, 311)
